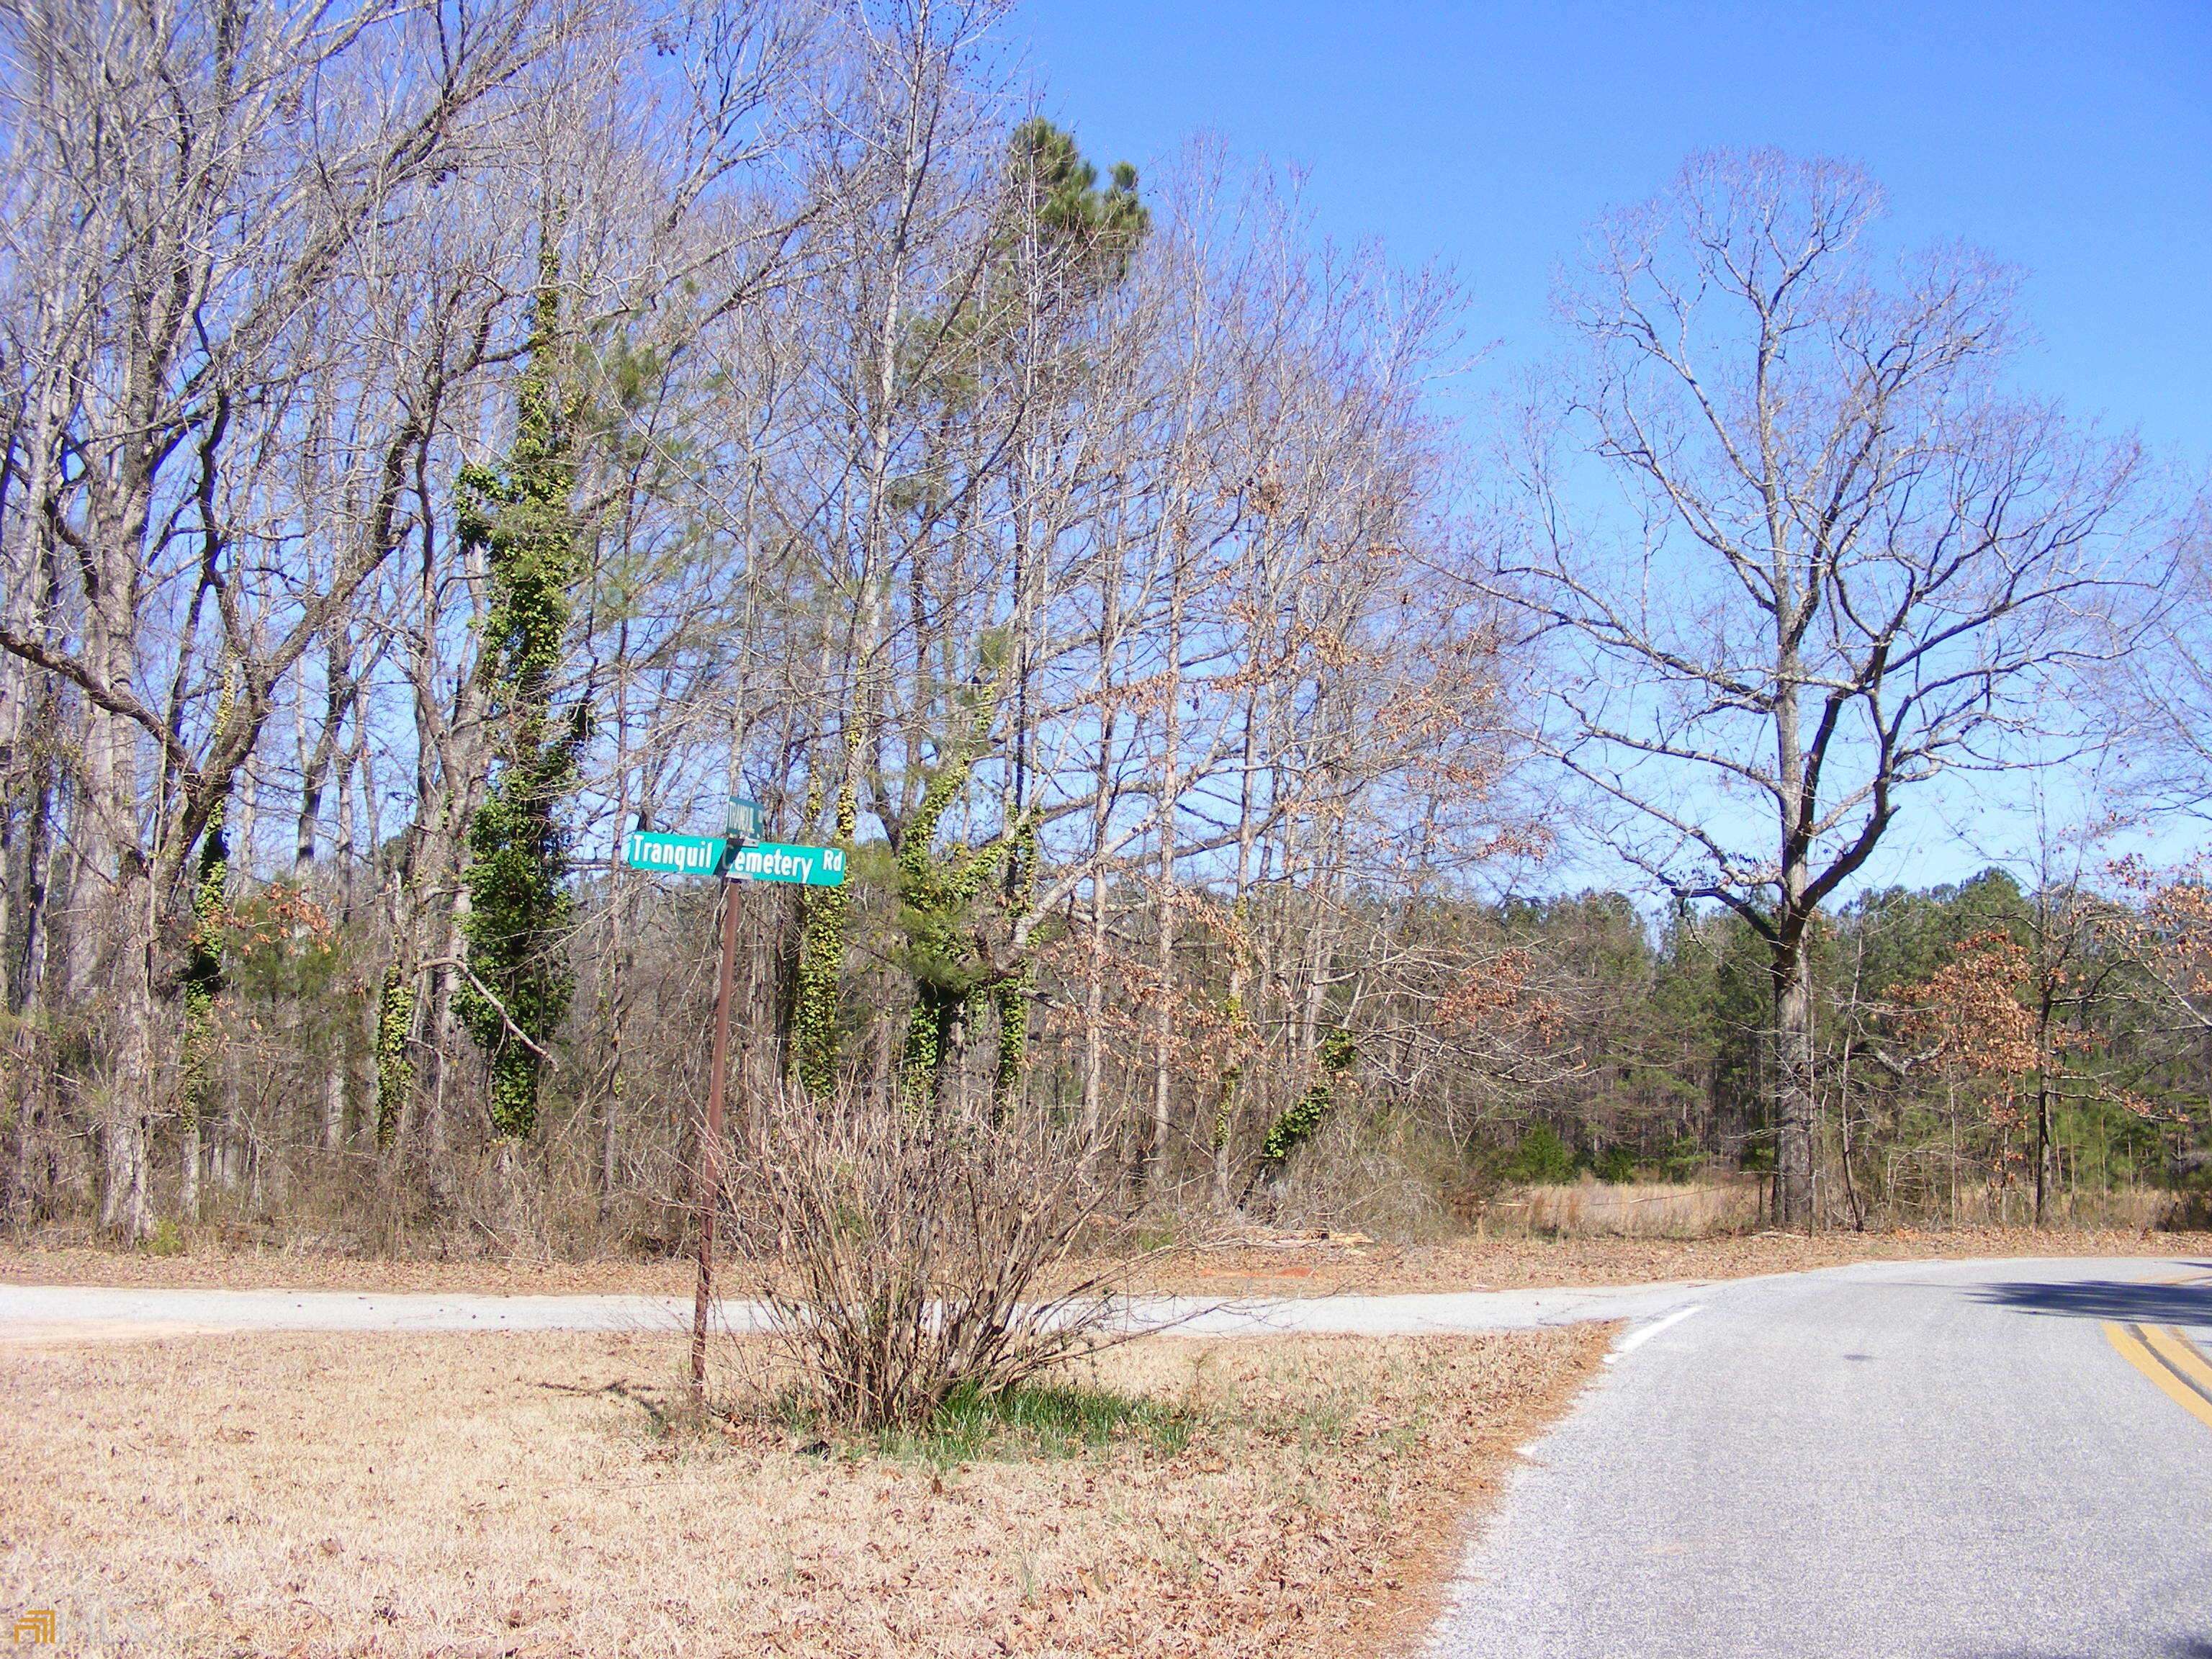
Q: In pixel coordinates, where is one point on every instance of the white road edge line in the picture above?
(1636, 1338)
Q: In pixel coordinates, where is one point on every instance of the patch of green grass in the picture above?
(1040, 1422)
(1150, 1236)
(1323, 1419)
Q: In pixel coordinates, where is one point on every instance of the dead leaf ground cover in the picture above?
(1278, 1267)
(412, 1495)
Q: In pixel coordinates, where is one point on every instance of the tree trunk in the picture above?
(126, 1112)
(2042, 1116)
(1156, 1140)
(1232, 1079)
(1153, 1146)
(1094, 1013)
(334, 1095)
(1793, 1086)
(1094, 980)
(437, 1110)
(188, 1165)
(1843, 1127)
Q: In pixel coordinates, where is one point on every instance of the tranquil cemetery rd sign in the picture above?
(709, 855)
(740, 855)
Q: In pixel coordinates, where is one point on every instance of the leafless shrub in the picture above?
(1370, 1171)
(904, 1257)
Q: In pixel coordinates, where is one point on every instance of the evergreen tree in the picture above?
(1102, 227)
(1091, 235)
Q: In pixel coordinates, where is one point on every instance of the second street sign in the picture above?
(816, 866)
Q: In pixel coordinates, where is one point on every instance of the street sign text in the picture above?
(816, 866)
(708, 855)
(674, 855)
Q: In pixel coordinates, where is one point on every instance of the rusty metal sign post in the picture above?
(744, 831)
(738, 856)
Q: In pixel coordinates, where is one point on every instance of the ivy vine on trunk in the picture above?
(395, 1066)
(523, 520)
(203, 978)
(936, 895)
(816, 1020)
(1303, 1118)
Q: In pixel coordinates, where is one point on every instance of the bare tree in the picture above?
(1799, 552)
(204, 201)
(2158, 705)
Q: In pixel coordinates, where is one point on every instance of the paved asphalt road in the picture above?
(1979, 1460)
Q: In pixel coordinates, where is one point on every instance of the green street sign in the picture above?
(711, 856)
(745, 821)
(815, 866)
(672, 855)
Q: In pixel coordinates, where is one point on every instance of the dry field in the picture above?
(518, 1495)
(1643, 1209)
(1249, 1266)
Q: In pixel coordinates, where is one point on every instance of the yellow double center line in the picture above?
(2169, 1359)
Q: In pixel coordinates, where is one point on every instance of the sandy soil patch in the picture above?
(484, 1495)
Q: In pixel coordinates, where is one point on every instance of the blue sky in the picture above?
(2072, 141)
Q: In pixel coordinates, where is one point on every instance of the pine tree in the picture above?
(1094, 233)
(1103, 227)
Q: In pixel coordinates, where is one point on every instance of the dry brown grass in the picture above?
(479, 1495)
(1633, 1210)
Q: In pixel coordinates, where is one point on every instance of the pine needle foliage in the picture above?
(1106, 226)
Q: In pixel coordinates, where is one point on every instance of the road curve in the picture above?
(2001, 1459)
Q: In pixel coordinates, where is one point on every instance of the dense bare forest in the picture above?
(437, 440)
